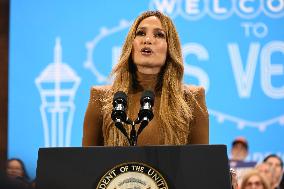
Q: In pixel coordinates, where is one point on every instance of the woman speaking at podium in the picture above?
(151, 59)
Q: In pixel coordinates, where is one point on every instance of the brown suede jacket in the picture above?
(96, 120)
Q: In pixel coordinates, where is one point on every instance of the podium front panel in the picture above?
(183, 167)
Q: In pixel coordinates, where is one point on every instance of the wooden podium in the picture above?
(182, 167)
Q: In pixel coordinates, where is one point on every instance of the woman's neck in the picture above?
(151, 70)
(146, 81)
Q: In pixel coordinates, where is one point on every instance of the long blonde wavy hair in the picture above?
(174, 112)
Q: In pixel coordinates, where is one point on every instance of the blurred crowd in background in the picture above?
(267, 174)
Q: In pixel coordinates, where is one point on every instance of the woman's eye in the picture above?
(160, 35)
(140, 33)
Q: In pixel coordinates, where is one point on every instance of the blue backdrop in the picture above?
(59, 49)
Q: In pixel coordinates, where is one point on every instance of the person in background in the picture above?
(17, 176)
(239, 153)
(254, 180)
(276, 165)
(265, 170)
(239, 150)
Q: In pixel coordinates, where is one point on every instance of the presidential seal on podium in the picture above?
(132, 175)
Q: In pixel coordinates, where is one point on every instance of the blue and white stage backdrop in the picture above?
(59, 49)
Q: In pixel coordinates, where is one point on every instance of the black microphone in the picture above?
(145, 114)
(118, 114)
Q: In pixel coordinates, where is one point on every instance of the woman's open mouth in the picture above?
(146, 51)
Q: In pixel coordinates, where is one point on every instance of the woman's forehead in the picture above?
(151, 21)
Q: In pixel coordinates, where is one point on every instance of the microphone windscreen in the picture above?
(149, 95)
(120, 95)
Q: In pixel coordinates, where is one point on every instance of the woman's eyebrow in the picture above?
(143, 28)
(159, 29)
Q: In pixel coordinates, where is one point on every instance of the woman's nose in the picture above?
(147, 40)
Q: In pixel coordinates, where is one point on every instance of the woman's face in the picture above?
(275, 165)
(14, 169)
(265, 170)
(254, 182)
(149, 46)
